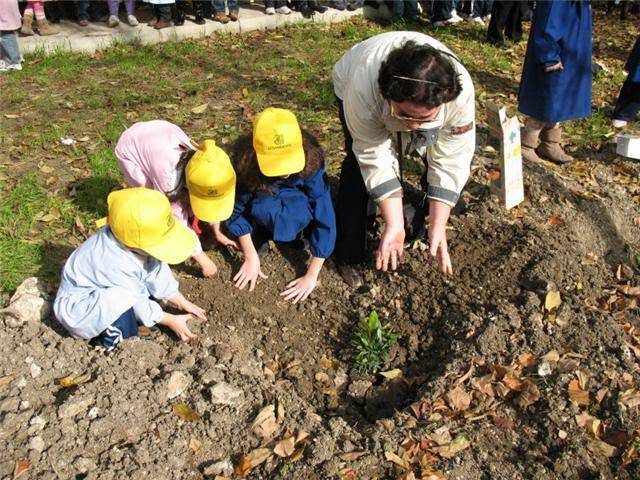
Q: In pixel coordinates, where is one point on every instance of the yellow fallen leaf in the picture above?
(630, 398)
(351, 456)
(245, 92)
(552, 300)
(185, 412)
(395, 373)
(199, 109)
(458, 399)
(73, 380)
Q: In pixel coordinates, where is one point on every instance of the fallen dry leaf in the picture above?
(20, 468)
(554, 220)
(199, 109)
(529, 393)
(297, 454)
(441, 436)
(629, 290)
(552, 301)
(617, 438)
(284, 448)
(265, 424)
(456, 446)
(73, 380)
(395, 373)
(630, 398)
(527, 360)
(583, 379)
(7, 379)
(301, 437)
(458, 399)
(577, 395)
(352, 456)
(195, 445)
(252, 460)
(583, 419)
(326, 363)
(185, 412)
(432, 475)
(395, 459)
(599, 447)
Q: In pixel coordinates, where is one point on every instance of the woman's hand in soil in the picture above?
(249, 273)
(299, 289)
(206, 265)
(438, 248)
(178, 324)
(222, 239)
(391, 247)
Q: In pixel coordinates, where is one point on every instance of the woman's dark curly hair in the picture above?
(248, 174)
(421, 62)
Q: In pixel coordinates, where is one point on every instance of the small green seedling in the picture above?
(372, 344)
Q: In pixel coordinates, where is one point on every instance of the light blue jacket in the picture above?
(102, 279)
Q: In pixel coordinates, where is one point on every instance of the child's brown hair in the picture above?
(249, 176)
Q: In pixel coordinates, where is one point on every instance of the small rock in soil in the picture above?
(358, 388)
(225, 394)
(73, 407)
(37, 444)
(35, 370)
(223, 468)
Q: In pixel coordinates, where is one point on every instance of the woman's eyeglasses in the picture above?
(400, 115)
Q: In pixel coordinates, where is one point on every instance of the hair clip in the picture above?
(416, 80)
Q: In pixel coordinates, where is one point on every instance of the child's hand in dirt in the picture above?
(225, 241)
(207, 266)
(193, 309)
(178, 324)
(249, 274)
(299, 289)
(439, 250)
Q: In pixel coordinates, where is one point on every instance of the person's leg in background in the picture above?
(351, 212)
(82, 12)
(9, 45)
(513, 26)
(219, 12)
(163, 15)
(499, 15)
(234, 10)
(178, 12)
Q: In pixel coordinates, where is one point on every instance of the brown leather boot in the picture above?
(45, 28)
(27, 25)
(221, 17)
(551, 146)
(529, 141)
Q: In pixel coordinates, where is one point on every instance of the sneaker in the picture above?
(6, 67)
(113, 21)
(454, 19)
(133, 21)
(270, 11)
(233, 15)
(477, 20)
(221, 17)
(284, 10)
(83, 23)
(618, 123)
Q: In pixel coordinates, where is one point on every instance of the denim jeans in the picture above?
(218, 6)
(405, 9)
(82, 10)
(9, 43)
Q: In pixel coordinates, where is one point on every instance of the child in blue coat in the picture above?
(111, 282)
(281, 190)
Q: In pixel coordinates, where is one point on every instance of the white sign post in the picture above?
(507, 129)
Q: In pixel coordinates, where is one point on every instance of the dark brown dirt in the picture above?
(121, 425)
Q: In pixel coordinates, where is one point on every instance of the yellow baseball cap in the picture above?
(211, 181)
(142, 218)
(277, 140)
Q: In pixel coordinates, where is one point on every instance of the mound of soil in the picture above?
(499, 381)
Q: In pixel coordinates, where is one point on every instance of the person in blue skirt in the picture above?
(556, 76)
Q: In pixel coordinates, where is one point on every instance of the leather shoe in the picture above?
(350, 275)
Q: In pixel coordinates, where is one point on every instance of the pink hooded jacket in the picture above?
(148, 153)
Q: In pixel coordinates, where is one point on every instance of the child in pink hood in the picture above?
(9, 23)
(156, 154)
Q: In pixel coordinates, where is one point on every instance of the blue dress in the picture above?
(294, 204)
(561, 31)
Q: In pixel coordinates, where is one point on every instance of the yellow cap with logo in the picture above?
(211, 181)
(277, 140)
(142, 218)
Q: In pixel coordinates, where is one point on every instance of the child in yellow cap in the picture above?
(111, 282)
(283, 194)
(199, 181)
